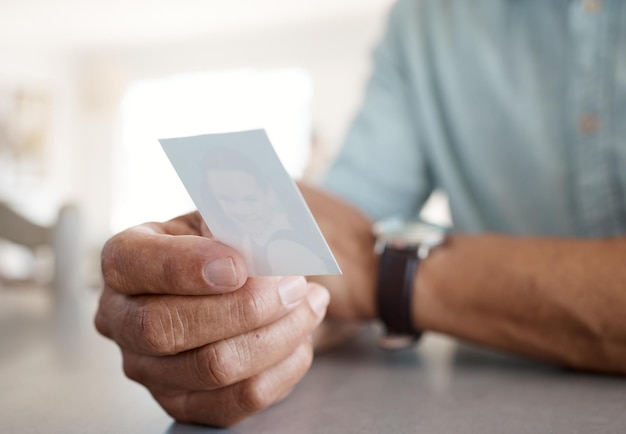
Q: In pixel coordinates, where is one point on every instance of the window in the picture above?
(145, 186)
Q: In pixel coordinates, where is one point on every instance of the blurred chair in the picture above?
(63, 237)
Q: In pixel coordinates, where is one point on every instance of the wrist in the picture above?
(429, 291)
(404, 245)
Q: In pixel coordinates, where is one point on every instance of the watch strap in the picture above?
(397, 270)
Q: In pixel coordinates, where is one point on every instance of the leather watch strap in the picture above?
(397, 270)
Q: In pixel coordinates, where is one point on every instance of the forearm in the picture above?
(559, 300)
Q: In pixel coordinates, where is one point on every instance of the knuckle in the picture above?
(131, 369)
(101, 323)
(107, 310)
(176, 412)
(215, 367)
(298, 324)
(249, 310)
(153, 329)
(177, 407)
(110, 262)
(198, 408)
(183, 409)
(253, 396)
(257, 393)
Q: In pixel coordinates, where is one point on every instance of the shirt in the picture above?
(515, 108)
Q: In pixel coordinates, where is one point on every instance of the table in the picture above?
(56, 378)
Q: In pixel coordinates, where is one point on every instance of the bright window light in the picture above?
(145, 186)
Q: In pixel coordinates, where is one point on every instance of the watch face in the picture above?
(404, 233)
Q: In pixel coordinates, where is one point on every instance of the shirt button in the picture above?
(592, 6)
(588, 124)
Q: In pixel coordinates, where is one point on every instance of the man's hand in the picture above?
(353, 294)
(212, 345)
(349, 234)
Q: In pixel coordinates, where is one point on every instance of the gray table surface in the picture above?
(67, 379)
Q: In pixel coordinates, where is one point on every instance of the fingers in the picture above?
(234, 359)
(165, 325)
(146, 259)
(212, 345)
(227, 406)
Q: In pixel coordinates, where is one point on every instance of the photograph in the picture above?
(249, 201)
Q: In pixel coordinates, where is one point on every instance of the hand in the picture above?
(349, 235)
(210, 344)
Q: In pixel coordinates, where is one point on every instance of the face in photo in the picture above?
(243, 199)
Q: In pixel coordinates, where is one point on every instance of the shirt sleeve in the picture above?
(381, 167)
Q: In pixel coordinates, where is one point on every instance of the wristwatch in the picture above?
(401, 245)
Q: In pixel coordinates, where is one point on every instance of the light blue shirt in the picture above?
(515, 108)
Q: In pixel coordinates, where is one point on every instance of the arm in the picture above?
(559, 300)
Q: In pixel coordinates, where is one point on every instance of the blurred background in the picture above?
(87, 87)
